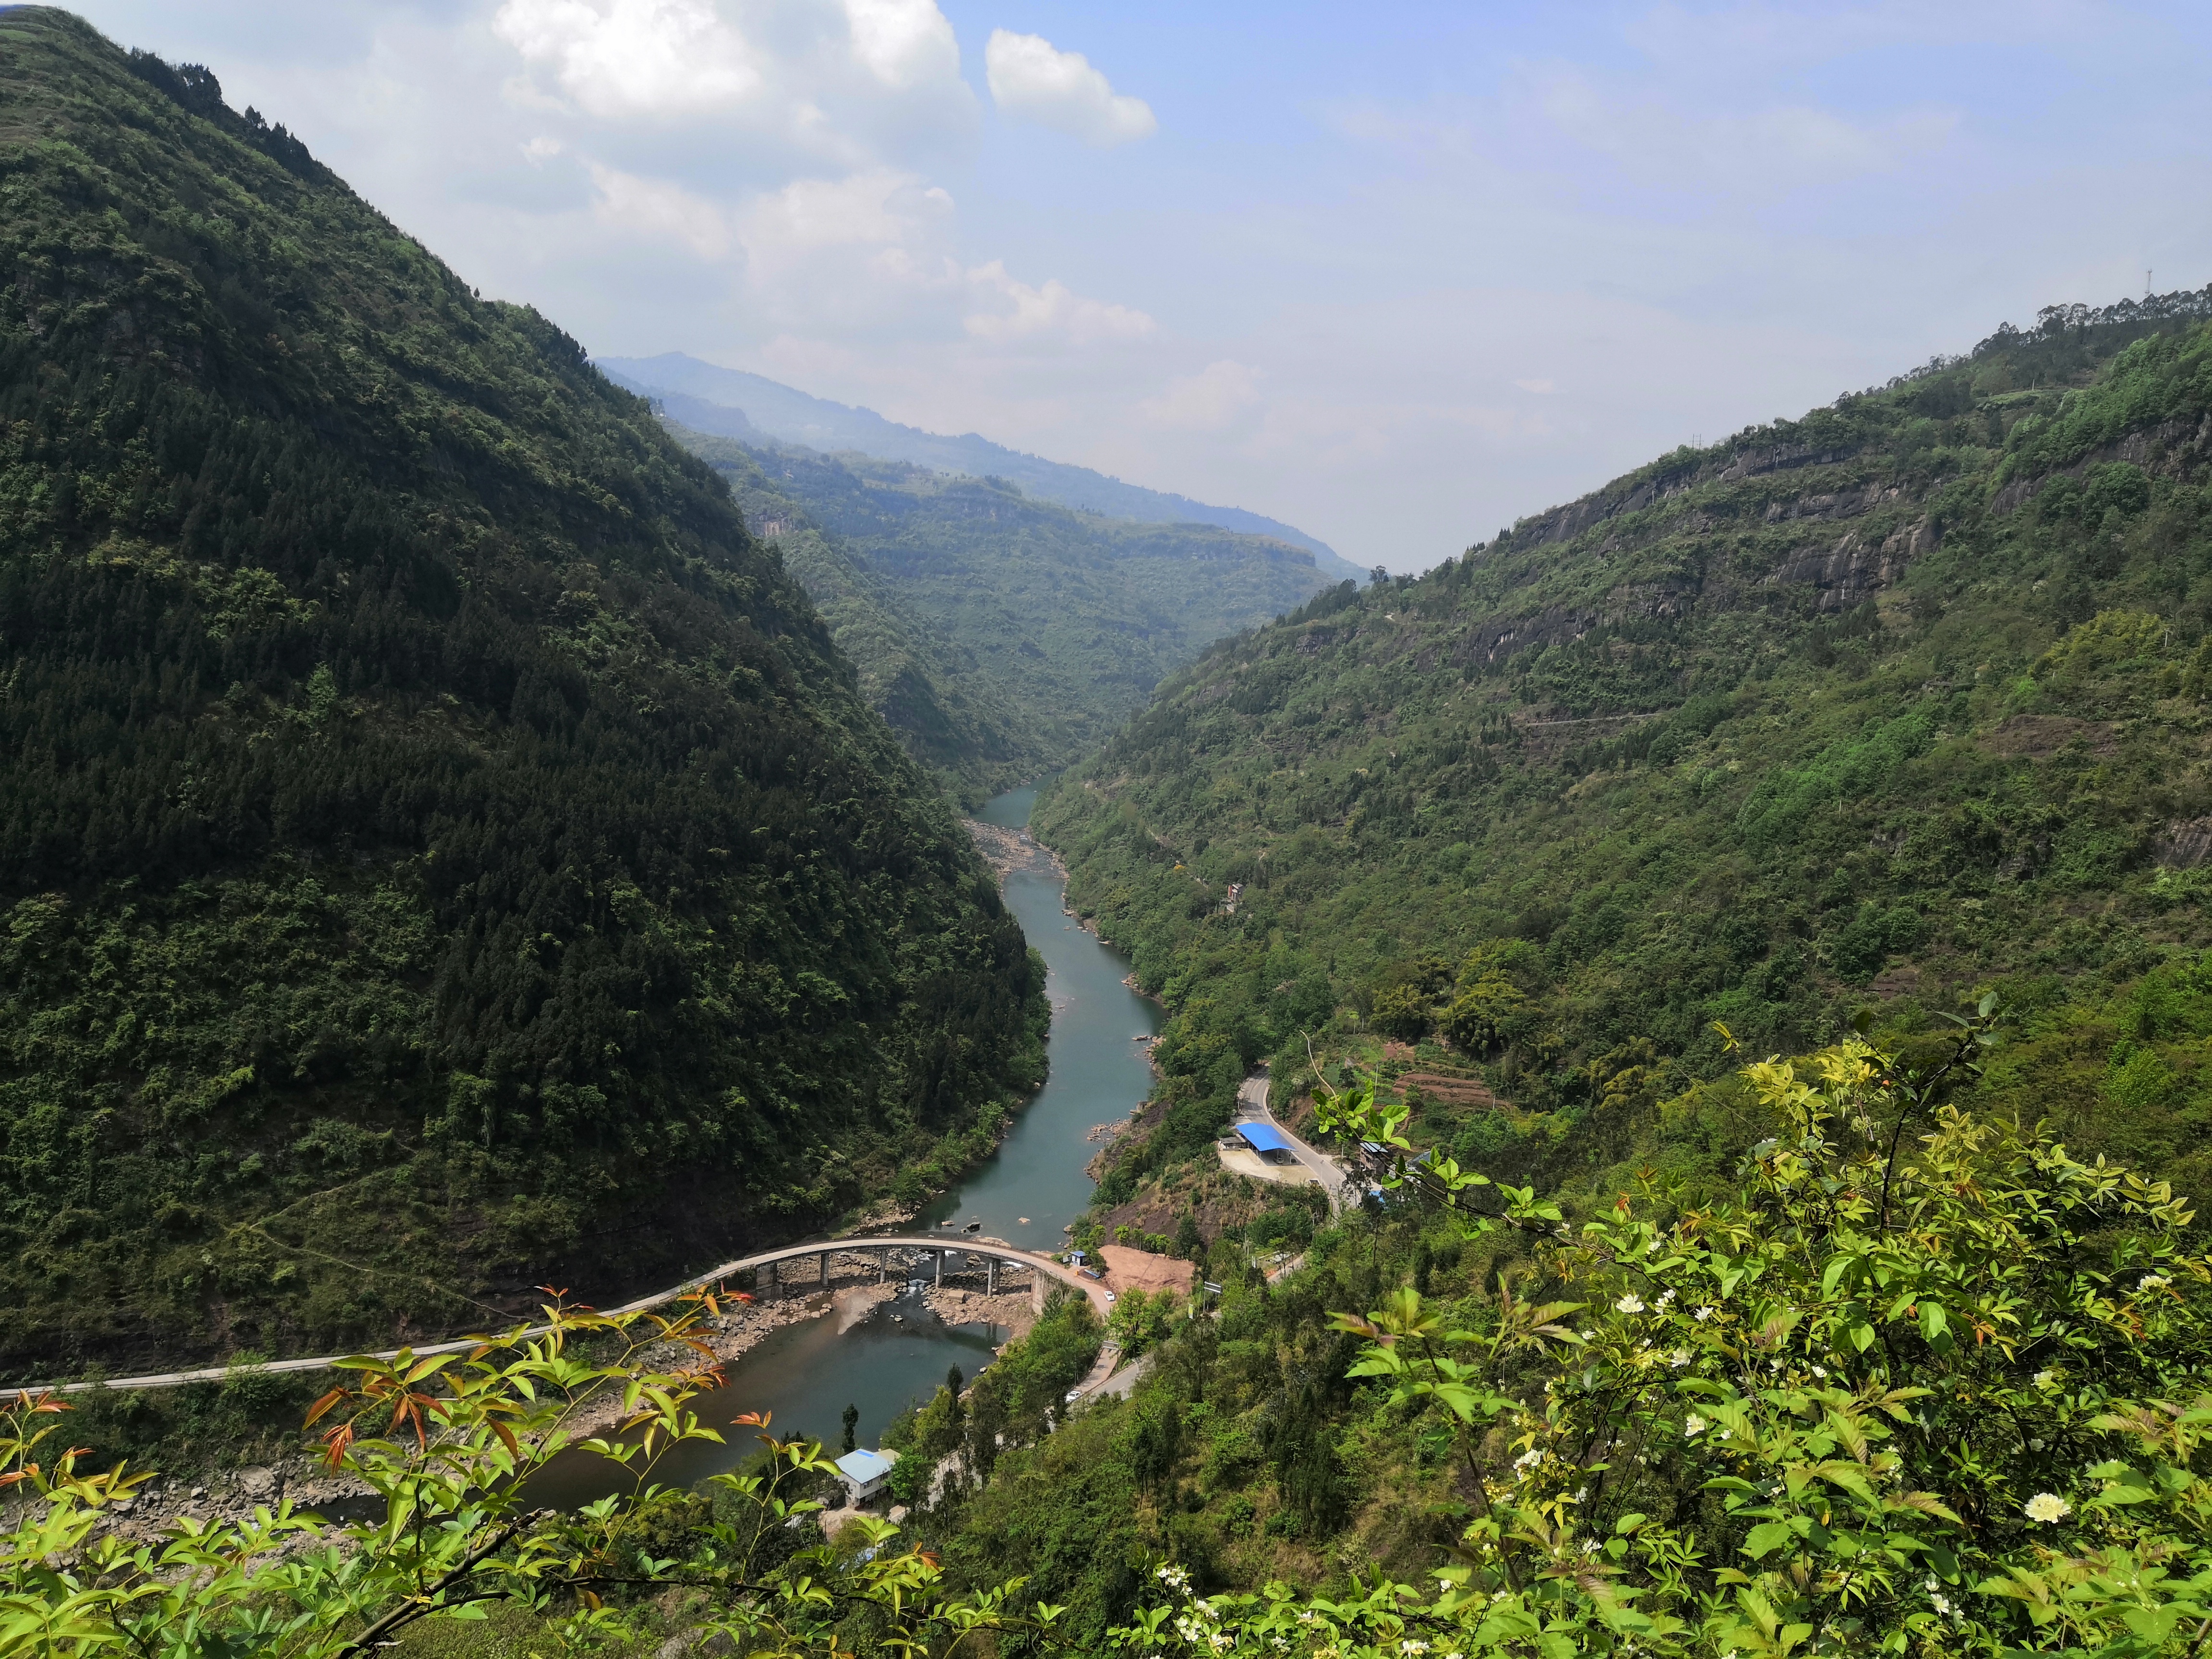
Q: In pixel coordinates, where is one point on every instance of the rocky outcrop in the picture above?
(2185, 844)
(1781, 457)
(1834, 504)
(2167, 448)
(1853, 569)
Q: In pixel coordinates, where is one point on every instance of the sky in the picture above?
(1398, 274)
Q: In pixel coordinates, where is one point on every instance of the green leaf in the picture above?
(1766, 1538)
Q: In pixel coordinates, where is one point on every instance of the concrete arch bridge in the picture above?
(794, 1270)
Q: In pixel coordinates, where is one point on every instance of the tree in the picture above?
(852, 1419)
(1189, 1243)
(1927, 1384)
(449, 1442)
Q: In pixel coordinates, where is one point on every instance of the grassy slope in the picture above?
(442, 849)
(1864, 709)
(1005, 633)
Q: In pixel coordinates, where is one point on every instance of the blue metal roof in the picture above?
(865, 1466)
(1264, 1138)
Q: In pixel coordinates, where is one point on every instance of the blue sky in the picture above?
(1396, 274)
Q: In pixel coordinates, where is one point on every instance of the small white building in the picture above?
(865, 1473)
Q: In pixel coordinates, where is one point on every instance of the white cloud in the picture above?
(656, 208)
(1030, 79)
(1215, 398)
(1540, 388)
(850, 83)
(1054, 311)
(621, 58)
(904, 43)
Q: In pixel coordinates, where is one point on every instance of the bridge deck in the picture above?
(835, 1247)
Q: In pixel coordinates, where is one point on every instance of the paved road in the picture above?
(962, 1246)
(1252, 1107)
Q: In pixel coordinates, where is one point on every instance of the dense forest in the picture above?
(442, 850)
(1002, 637)
(960, 725)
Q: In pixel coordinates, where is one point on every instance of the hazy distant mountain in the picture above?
(735, 405)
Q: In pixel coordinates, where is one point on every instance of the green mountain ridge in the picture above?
(1872, 708)
(444, 851)
(955, 723)
(752, 408)
(1003, 637)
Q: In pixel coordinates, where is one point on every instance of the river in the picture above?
(1026, 1192)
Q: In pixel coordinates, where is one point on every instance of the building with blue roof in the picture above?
(865, 1473)
(1269, 1141)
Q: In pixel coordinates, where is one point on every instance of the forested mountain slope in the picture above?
(1002, 637)
(442, 850)
(753, 409)
(1861, 710)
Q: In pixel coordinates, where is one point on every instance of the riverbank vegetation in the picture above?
(444, 852)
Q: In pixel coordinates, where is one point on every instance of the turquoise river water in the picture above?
(1026, 1192)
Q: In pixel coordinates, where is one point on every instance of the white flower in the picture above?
(2035, 1445)
(1695, 1425)
(1680, 1357)
(1819, 1371)
(2044, 1379)
(2152, 1282)
(1590, 1547)
(2047, 1506)
(1631, 1304)
(1409, 1645)
(1221, 1641)
(1941, 1604)
(1706, 1313)
(1666, 1297)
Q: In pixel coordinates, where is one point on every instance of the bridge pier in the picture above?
(822, 1263)
(990, 1275)
(940, 1268)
